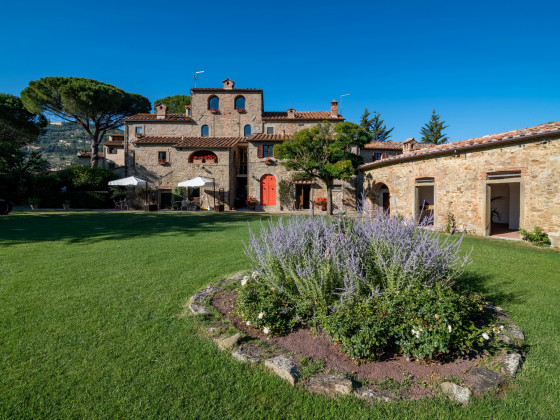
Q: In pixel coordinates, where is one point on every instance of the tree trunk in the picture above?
(329, 197)
(94, 152)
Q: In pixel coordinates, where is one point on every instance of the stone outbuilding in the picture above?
(490, 185)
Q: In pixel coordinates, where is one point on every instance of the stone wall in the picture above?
(345, 194)
(178, 169)
(228, 122)
(461, 184)
(289, 126)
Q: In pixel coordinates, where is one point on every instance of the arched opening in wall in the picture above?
(247, 130)
(213, 103)
(379, 197)
(268, 190)
(204, 131)
(203, 156)
(384, 198)
(240, 103)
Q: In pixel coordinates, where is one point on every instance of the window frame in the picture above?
(245, 130)
(210, 107)
(269, 130)
(207, 131)
(162, 157)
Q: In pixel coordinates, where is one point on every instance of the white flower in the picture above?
(248, 323)
(266, 330)
(261, 315)
(244, 281)
(416, 333)
(449, 328)
(485, 336)
(255, 275)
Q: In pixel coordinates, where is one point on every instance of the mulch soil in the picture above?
(317, 346)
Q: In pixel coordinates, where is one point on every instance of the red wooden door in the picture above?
(268, 190)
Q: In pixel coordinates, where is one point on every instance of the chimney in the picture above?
(408, 145)
(334, 109)
(161, 111)
(291, 113)
(283, 133)
(188, 110)
(228, 83)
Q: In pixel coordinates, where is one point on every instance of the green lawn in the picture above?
(88, 326)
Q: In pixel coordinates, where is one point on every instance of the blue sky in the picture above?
(486, 67)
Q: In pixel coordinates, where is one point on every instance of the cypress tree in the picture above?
(432, 132)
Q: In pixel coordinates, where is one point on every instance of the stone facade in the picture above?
(223, 122)
(470, 181)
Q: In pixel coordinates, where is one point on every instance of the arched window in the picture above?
(203, 156)
(240, 103)
(204, 131)
(213, 103)
(247, 130)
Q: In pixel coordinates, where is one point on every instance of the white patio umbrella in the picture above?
(130, 181)
(196, 182)
(199, 182)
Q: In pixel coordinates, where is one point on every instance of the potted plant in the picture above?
(241, 110)
(321, 202)
(66, 205)
(34, 203)
(214, 110)
(252, 202)
(268, 161)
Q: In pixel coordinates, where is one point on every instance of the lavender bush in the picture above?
(317, 260)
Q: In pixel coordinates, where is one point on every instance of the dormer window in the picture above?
(214, 103)
(204, 131)
(240, 103)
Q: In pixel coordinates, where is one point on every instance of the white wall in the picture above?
(514, 205)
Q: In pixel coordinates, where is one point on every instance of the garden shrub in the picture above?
(376, 284)
(425, 323)
(537, 236)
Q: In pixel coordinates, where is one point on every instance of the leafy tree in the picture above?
(375, 126)
(18, 127)
(432, 132)
(324, 152)
(175, 104)
(96, 106)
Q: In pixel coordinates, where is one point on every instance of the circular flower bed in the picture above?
(372, 290)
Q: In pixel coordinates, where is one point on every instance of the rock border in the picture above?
(483, 378)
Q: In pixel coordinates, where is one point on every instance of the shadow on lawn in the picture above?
(497, 296)
(87, 227)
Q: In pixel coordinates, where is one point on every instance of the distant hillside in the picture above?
(62, 141)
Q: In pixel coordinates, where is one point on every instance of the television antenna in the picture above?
(194, 76)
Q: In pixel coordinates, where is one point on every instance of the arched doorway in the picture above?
(268, 190)
(384, 198)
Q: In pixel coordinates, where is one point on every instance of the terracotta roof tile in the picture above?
(153, 117)
(114, 142)
(270, 137)
(84, 154)
(384, 145)
(217, 89)
(189, 142)
(302, 115)
(485, 141)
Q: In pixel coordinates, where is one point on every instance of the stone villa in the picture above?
(488, 185)
(224, 135)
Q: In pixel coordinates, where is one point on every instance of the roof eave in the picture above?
(496, 143)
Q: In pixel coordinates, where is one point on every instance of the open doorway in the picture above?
(384, 199)
(303, 196)
(425, 201)
(504, 209)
